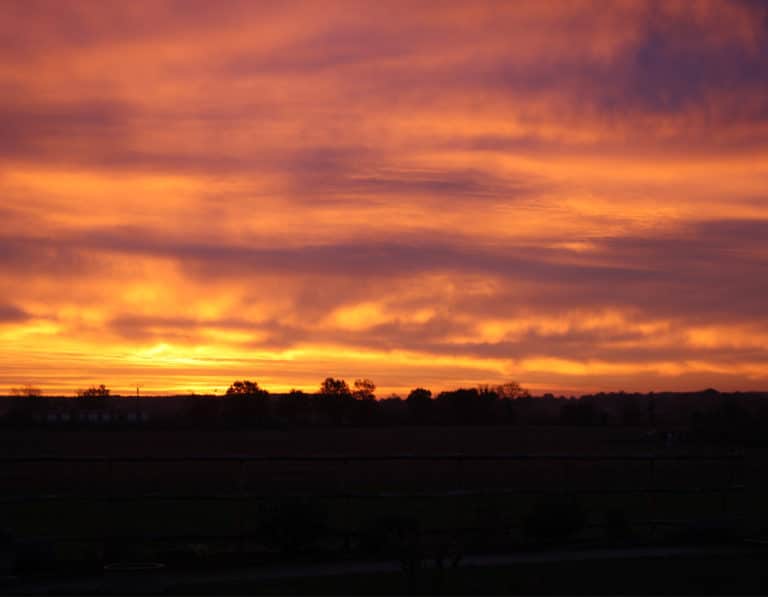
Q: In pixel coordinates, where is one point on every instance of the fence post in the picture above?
(347, 503)
(108, 512)
(651, 494)
(729, 485)
(241, 508)
(564, 476)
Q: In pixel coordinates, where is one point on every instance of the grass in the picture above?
(484, 522)
(641, 576)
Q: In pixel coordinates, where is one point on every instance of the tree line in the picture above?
(336, 402)
(707, 414)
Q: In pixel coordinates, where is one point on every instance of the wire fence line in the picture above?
(242, 496)
(108, 477)
(369, 495)
(736, 456)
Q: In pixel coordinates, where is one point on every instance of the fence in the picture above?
(463, 463)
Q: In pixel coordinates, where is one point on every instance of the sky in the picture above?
(572, 195)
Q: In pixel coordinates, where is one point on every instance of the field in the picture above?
(89, 497)
(373, 441)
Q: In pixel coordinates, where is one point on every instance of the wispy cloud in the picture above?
(572, 195)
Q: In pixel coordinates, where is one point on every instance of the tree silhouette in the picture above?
(466, 405)
(364, 389)
(334, 399)
(578, 412)
(245, 403)
(94, 392)
(293, 405)
(27, 391)
(246, 388)
(334, 387)
(511, 390)
(32, 406)
(419, 403)
(92, 398)
(201, 411)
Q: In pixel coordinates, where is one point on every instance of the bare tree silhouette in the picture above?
(94, 392)
(27, 391)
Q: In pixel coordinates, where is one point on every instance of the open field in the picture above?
(374, 441)
(88, 497)
(322, 461)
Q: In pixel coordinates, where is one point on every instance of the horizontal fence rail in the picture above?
(384, 458)
(373, 495)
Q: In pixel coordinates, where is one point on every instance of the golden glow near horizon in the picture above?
(570, 194)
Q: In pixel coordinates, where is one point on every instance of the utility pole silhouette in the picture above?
(137, 403)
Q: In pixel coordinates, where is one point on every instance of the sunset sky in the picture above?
(572, 195)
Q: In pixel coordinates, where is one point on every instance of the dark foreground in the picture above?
(639, 571)
(489, 510)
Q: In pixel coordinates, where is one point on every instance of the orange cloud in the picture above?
(568, 194)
